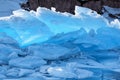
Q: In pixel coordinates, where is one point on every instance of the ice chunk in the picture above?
(2, 76)
(48, 51)
(17, 72)
(108, 37)
(14, 72)
(69, 72)
(6, 39)
(59, 23)
(29, 28)
(86, 39)
(27, 62)
(115, 23)
(6, 32)
(6, 50)
(27, 78)
(13, 55)
(68, 37)
(61, 72)
(25, 72)
(36, 27)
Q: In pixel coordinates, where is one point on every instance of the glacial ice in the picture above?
(49, 45)
(27, 62)
(48, 51)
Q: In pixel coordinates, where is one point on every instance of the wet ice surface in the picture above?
(48, 45)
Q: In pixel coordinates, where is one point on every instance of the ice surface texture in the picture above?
(49, 45)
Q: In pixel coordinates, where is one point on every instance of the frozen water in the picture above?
(49, 45)
(68, 22)
(66, 72)
(18, 28)
(27, 62)
(49, 51)
(46, 23)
